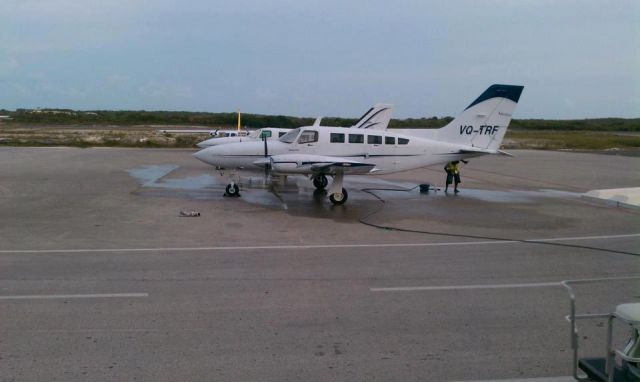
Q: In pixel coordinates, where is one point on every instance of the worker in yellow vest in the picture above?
(453, 175)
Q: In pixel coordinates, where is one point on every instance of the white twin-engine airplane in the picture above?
(321, 151)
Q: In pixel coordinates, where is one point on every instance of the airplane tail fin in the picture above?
(376, 118)
(484, 122)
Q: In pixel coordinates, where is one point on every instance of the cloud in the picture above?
(166, 91)
(8, 66)
(323, 57)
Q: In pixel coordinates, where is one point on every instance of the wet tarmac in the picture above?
(101, 278)
(298, 190)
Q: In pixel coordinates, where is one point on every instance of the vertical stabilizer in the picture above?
(376, 118)
(484, 122)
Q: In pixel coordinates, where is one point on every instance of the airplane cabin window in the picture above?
(308, 136)
(403, 141)
(389, 140)
(280, 134)
(337, 138)
(374, 139)
(290, 136)
(356, 138)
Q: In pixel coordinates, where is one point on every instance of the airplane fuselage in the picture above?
(388, 151)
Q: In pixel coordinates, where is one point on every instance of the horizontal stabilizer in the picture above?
(505, 153)
(477, 150)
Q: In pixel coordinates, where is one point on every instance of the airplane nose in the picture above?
(202, 156)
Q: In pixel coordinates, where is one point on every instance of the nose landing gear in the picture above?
(320, 181)
(337, 194)
(339, 198)
(232, 189)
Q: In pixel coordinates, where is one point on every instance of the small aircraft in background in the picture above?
(377, 117)
(216, 133)
(324, 151)
(255, 135)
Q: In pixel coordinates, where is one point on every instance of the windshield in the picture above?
(290, 136)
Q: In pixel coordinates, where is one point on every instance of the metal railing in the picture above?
(572, 317)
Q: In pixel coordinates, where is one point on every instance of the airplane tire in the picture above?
(232, 190)
(320, 182)
(339, 198)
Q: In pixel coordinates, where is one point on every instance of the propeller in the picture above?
(267, 167)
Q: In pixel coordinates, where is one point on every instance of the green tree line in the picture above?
(142, 117)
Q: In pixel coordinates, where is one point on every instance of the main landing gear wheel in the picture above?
(232, 190)
(320, 182)
(339, 198)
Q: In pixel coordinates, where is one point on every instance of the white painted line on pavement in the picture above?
(104, 330)
(258, 247)
(463, 287)
(548, 379)
(68, 296)
(318, 246)
(587, 237)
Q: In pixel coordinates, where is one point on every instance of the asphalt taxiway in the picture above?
(102, 279)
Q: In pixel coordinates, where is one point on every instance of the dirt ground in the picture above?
(99, 135)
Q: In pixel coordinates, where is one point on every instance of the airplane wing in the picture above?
(314, 164)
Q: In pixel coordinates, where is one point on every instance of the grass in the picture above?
(565, 140)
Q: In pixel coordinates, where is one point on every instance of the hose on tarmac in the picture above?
(370, 191)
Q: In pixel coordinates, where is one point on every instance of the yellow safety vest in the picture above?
(453, 168)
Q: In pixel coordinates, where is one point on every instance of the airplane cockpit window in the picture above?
(280, 134)
(389, 140)
(356, 138)
(290, 136)
(308, 136)
(403, 141)
(336, 138)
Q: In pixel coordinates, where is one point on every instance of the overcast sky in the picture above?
(576, 58)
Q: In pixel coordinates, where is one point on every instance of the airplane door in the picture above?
(390, 153)
(308, 141)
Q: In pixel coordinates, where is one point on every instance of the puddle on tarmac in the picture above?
(299, 190)
(148, 175)
(154, 177)
(512, 196)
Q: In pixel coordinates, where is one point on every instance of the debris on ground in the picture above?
(189, 214)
